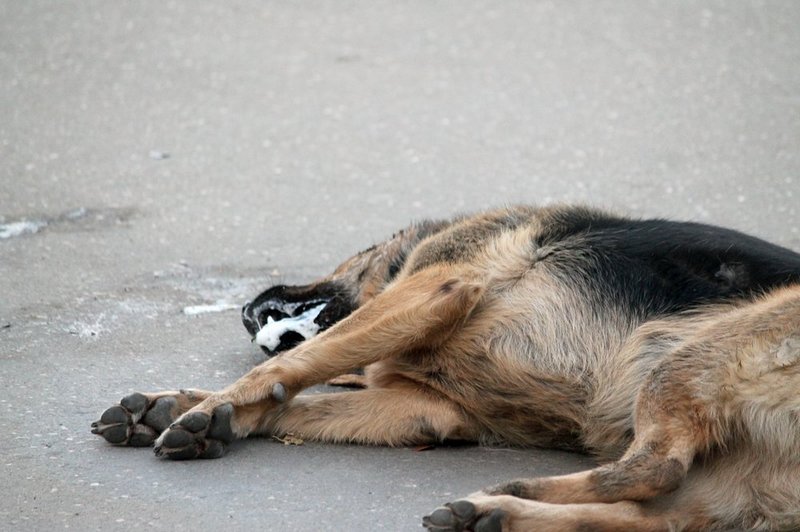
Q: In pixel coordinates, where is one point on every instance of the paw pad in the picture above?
(461, 516)
(120, 423)
(198, 435)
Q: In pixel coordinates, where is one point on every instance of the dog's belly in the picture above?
(526, 368)
(511, 407)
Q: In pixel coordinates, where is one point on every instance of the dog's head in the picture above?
(283, 316)
(302, 311)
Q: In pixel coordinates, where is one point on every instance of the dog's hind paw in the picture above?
(462, 516)
(137, 420)
(198, 435)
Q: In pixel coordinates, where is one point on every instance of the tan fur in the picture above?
(480, 338)
(717, 427)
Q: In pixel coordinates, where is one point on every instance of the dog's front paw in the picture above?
(464, 516)
(198, 434)
(137, 420)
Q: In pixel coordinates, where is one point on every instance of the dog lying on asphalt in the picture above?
(671, 351)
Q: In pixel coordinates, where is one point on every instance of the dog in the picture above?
(668, 350)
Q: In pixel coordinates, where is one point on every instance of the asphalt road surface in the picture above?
(157, 155)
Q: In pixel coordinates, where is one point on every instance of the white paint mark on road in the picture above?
(20, 228)
(219, 306)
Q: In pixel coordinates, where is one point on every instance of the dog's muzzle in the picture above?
(283, 316)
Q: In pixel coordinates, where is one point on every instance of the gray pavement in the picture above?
(169, 154)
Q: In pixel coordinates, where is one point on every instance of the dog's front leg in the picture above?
(403, 414)
(418, 311)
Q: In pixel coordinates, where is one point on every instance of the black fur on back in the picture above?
(659, 266)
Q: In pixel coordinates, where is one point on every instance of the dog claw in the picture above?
(279, 392)
(116, 434)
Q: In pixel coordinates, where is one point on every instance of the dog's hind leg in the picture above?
(605, 498)
(741, 370)
(505, 513)
(600, 499)
(655, 463)
(727, 395)
(669, 430)
(415, 312)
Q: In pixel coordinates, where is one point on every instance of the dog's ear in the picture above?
(281, 302)
(337, 308)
